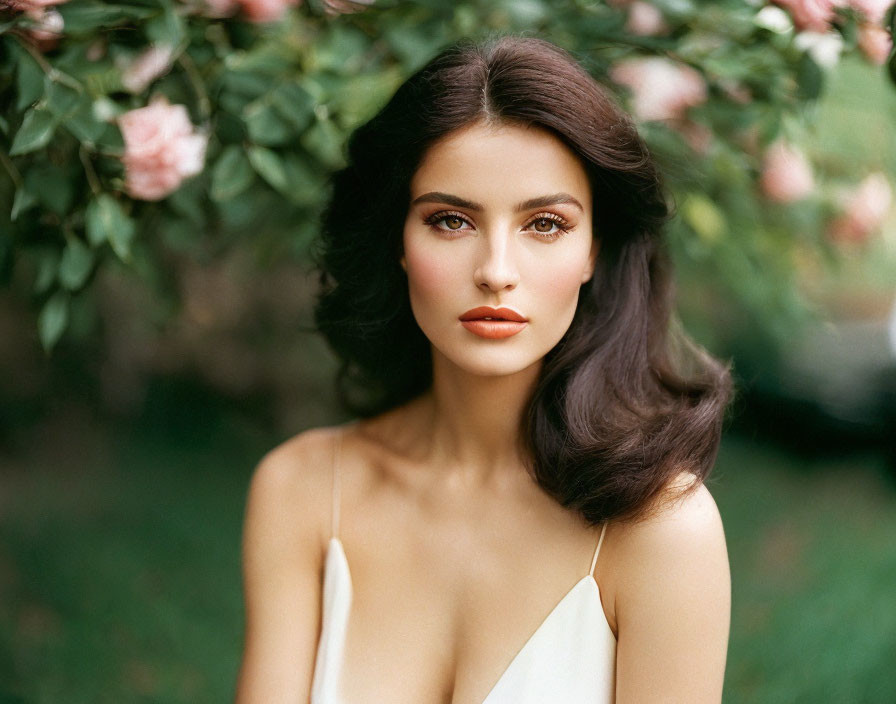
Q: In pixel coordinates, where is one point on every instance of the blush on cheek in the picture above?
(559, 279)
(428, 274)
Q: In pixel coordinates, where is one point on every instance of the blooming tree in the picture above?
(135, 129)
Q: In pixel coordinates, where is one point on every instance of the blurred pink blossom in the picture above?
(737, 92)
(48, 30)
(49, 22)
(261, 11)
(866, 208)
(152, 63)
(161, 149)
(697, 135)
(645, 20)
(96, 50)
(786, 173)
(812, 15)
(874, 10)
(875, 42)
(823, 47)
(661, 89)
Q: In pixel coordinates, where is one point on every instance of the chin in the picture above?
(492, 362)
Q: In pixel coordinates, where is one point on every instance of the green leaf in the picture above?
(4, 125)
(53, 185)
(294, 104)
(23, 200)
(231, 175)
(83, 124)
(245, 84)
(166, 28)
(266, 126)
(53, 319)
(188, 201)
(29, 81)
(36, 131)
(304, 182)
(75, 265)
(324, 140)
(62, 100)
(269, 167)
(107, 222)
(47, 266)
(810, 78)
(88, 16)
(704, 217)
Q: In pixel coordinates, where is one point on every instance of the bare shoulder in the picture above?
(291, 484)
(680, 541)
(285, 524)
(684, 517)
(673, 599)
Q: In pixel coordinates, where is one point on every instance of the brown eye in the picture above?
(451, 221)
(548, 224)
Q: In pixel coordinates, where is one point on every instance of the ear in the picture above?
(592, 260)
(404, 262)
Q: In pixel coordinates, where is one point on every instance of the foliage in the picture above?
(273, 100)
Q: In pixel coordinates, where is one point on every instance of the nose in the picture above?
(496, 268)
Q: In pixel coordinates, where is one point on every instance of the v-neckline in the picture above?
(541, 626)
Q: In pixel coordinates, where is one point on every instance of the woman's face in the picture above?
(499, 217)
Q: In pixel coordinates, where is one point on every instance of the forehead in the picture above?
(502, 162)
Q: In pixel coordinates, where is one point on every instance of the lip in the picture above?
(504, 322)
(497, 314)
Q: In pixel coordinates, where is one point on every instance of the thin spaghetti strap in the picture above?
(597, 549)
(335, 510)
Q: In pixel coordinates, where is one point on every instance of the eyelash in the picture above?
(562, 225)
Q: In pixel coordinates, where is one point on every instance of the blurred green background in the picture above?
(181, 359)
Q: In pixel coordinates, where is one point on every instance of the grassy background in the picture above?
(119, 564)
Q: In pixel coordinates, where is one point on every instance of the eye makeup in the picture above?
(559, 222)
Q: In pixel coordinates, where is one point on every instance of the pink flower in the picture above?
(698, 136)
(873, 10)
(823, 47)
(48, 30)
(866, 208)
(875, 42)
(49, 22)
(786, 173)
(662, 89)
(261, 11)
(645, 20)
(161, 149)
(812, 15)
(152, 63)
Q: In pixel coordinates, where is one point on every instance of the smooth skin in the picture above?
(456, 554)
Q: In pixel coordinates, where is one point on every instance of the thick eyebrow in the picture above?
(540, 202)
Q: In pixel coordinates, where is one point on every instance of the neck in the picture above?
(473, 421)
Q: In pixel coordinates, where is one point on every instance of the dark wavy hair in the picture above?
(615, 415)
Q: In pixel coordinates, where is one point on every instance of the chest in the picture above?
(476, 598)
(392, 645)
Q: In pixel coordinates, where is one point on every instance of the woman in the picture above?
(496, 284)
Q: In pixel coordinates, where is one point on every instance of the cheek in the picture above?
(557, 282)
(430, 276)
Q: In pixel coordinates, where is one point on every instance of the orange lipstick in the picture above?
(493, 323)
